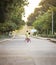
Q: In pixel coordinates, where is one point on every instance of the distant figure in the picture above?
(27, 39)
(10, 34)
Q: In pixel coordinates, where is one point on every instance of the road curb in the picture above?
(52, 40)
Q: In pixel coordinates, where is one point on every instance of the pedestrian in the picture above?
(27, 39)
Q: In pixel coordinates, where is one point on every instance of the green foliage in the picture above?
(32, 17)
(47, 3)
(8, 26)
(43, 22)
(11, 12)
(41, 18)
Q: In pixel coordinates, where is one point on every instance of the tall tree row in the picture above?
(43, 17)
(11, 12)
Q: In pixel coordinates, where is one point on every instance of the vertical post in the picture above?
(52, 22)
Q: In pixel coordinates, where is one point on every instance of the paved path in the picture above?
(18, 52)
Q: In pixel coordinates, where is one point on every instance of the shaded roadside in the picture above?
(53, 40)
(50, 39)
(4, 38)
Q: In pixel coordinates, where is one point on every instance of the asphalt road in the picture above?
(17, 52)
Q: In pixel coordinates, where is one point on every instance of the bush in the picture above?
(49, 36)
(2, 36)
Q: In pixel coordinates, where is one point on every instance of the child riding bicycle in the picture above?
(27, 37)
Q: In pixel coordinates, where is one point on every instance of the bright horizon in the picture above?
(30, 8)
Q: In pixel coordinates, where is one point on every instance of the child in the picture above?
(28, 37)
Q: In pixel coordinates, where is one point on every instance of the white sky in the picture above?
(30, 8)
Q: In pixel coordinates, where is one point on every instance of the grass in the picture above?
(4, 36)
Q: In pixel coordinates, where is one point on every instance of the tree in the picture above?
(41, 18)
(11, 11)
(32, 17)
(47, 3)
(43, 23)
